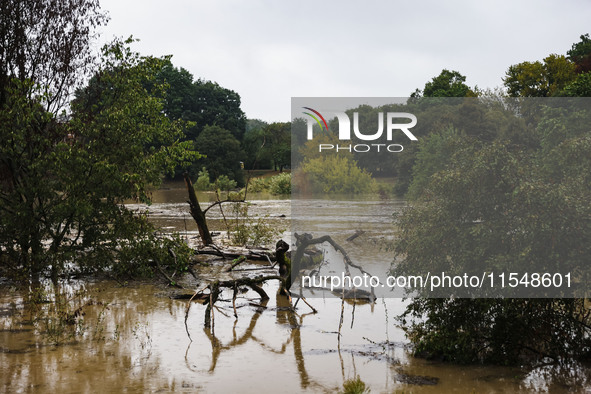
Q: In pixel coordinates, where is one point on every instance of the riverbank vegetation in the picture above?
(512, 196)
(66, 167)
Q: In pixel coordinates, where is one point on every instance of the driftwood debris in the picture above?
(250, 254)
(216, 288)
(254, 283)
(236, 262)
(357, 234)
(306, 240)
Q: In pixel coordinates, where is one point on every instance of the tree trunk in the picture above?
(197, 213)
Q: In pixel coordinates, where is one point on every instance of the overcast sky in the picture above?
(270, 50)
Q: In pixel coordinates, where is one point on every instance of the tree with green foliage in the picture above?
(280, 184)
(222, 154)
(433, 155)
(446, 84)
(48, 43)
(204, 103)
(539, 79)
(333, 174)
(502, 206)
(254, 143)
(268, 145)
(63, 181)
(517, 201)
(35, 78)
(434, 114)
(579, 87)
(580, 54)
(278, 143)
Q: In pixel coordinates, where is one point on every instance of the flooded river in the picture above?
(133, 338)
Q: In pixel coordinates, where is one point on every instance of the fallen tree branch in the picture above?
(357, 234)
(171, 281)
(306, 240)
(215, 288)
(256, 254)
(220, 202)
(236, 262)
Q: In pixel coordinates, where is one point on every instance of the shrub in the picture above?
(335, 174)
(280, 184)
(224, 183)
(257, 185)
(355, 386)
(247, 230)
(203, 182)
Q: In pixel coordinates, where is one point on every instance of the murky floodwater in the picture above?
(133, 339)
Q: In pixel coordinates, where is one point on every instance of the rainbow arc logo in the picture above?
(315, 118)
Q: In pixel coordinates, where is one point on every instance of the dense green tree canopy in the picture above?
(63, 181)
(446, 84)
(205, 103)
(254, 144)
(539, 79)
(579, 87)
(278, 144)
(222, 154)
(507, 188)
(47, 42)
(580, 54)
(498, 206)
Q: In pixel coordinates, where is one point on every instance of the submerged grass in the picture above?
(355, 386)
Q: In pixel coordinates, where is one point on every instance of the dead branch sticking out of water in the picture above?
(243, 259)
(170, 280)
(306, 240)
(215, 288)
(251, 254)
(235, 262)
(220, 202)
(197, 213)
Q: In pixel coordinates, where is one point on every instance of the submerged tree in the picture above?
(501, 206)
(507, 198)
(63, 179)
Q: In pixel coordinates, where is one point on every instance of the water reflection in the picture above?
(286, 317)
(133, 339)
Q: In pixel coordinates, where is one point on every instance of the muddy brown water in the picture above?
(133, 339)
